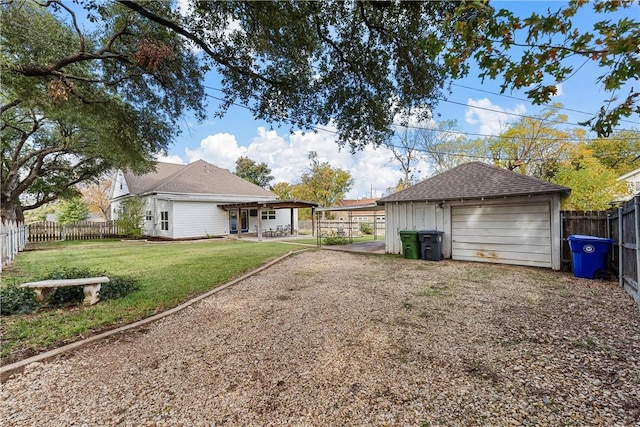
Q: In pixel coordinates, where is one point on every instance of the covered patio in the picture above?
(291, 204)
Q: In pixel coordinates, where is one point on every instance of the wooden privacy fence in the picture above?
(83, 230)
(620, 224)
(13, 239)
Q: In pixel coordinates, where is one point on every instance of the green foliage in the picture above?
(323, 184)
(539, 51)
(257, 173)
(167, 274)
(593, 185)
(332, 238)
(365, 228)
(620, 152)
(17, 300)
(130, 218)
(117, 287)
(79, 104)
(73, 210)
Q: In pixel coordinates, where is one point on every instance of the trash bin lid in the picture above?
(582, 237)
(430, 232)
(408, 232)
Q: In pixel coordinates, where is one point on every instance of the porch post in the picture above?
(259, 223)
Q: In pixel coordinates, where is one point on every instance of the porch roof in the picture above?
(271, 204)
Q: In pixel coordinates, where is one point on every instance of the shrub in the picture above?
(334, 239)
(117, 287)
(365, 228)
(17, 300)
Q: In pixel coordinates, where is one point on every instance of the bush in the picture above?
(117, 287)
(17, 300)
(365, 228)
(334, 239)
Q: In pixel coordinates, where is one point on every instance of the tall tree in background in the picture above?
(257, 173)
(532, 144)
(405, 148)
(77, 103)
(283, 190)
(445, 147)
(594, 186)
(97, 196)
(73, 210)
(619, 152)
(323, 184)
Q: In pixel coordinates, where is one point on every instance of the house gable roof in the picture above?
(474, 180)
(198, 177)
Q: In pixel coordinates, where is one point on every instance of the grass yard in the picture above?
(169, 273)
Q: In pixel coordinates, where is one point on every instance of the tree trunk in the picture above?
(12, 212)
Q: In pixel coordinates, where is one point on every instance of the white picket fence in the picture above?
(13, 239)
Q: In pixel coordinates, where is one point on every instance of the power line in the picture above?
(457, 132)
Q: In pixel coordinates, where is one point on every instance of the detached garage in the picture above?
(487, 214)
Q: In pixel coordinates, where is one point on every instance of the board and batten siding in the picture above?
(508, 234)
(414, 216)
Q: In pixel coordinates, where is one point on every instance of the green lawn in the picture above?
(168, 274)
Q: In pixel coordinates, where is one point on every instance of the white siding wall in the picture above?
(163, 206)
(412, 216)
(198, 219)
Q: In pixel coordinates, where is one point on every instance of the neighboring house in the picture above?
(199, 200)
(633, 180)
(356, 211)
(486, 213)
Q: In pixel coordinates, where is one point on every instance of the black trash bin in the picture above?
(431, 244)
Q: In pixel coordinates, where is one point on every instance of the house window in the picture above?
(164, 220)
(270, 214)
(148, 216)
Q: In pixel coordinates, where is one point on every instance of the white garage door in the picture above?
(507, 234)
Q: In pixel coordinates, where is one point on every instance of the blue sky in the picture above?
(476, 106)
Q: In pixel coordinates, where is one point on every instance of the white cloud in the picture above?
(171, 159)
(287, 156)
(492, 119)
(558, 90)
(220, 149)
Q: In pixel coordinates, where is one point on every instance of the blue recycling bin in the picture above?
(589, 255)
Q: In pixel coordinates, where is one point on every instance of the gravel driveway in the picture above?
(327, 338)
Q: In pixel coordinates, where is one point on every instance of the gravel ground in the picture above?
(329, 338)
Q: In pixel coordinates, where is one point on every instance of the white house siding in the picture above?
(508, 234)
(159, 206)
(199, 219)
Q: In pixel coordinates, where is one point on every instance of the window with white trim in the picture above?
(148, 216)
(269, 214)
(164, 220)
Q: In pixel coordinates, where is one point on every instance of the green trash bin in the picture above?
(410, 244)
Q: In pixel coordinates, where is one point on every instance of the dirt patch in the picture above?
(330, 338)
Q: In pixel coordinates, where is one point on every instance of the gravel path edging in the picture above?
(8, 370)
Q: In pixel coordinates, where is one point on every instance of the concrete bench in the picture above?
(91, 288)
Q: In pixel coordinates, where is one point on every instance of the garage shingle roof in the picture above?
(474, 181)
(198, 177)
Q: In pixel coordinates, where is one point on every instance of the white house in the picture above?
(201, 200)
(487, 214)
(633, 180)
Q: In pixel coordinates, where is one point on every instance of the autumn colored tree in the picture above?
(593, 185)
(532, 145)
(322, 183)
(97, 196)
(620, 152)
(283, 190)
